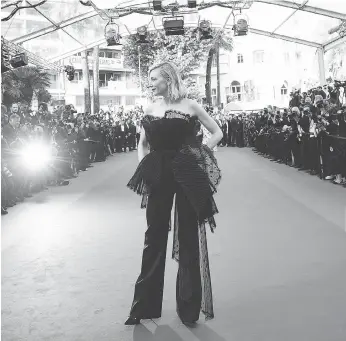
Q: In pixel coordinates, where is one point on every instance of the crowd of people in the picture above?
(310, 134)
(48, 148)
(42, 148)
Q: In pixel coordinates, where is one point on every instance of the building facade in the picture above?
(117, 86)
(261, 71)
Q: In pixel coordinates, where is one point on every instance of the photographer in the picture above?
(304, 134)
(330, 147)
(319, 91)
(313, 156)
(296, 99)
(342, 122)
(338, 94)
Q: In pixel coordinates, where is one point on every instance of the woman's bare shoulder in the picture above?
(193, 106)
(152, 107)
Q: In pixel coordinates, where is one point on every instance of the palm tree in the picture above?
(22, 83)
(223, 41)
(86, 82)
(10, 89)
(96, 77)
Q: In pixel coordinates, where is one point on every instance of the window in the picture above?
(117, 100)
(128, 76)
(54, 79)
(106, 76)
(110, 54)
(284, 90)
(117, 76)
(105, 100)
(228, 94)
(79, 101)
(236, 87)
(236, 90)
(78, 76)
(258, 57)
(240, 58)
(102, 80)
(130, 100)
(213, 96)
(117, 54)
(213, 64)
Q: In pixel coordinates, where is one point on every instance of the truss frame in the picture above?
(122, 12)
(305, 8)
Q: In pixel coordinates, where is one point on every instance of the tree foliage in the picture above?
(188, 52)
(44, 96)
(20, 84)
(336, 63)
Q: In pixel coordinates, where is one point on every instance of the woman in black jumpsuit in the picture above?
(177, 164)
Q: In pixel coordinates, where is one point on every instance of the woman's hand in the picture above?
(208, 123)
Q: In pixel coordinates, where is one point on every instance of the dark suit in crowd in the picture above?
(132, 136)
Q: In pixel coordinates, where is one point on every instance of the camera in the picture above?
(339, 84)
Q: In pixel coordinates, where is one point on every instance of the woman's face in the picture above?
(158, 83)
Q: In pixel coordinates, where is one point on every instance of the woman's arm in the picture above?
(143, 146)
(208, 123)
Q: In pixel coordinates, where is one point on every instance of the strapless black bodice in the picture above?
(175, 149)
(170, 132)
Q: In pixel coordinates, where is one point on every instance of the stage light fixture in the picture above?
(112, 33)
(142, 33)
(173, 26)
(240, 26)
(69, 69)
(205, 30)
(85, 2)
(157, 4)
(191, 3)
(5, 58)
(20, 59)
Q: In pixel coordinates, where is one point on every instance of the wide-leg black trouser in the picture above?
(147, 302)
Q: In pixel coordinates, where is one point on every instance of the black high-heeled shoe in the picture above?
(131, 321)
(190, 324)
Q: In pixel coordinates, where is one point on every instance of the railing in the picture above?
(324, 155)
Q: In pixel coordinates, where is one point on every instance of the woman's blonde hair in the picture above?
(176, 88)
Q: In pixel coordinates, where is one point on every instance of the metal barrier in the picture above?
(324, 155)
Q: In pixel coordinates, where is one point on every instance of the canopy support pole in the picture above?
(321, 66)
(139, 69)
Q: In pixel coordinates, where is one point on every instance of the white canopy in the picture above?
(60, 28)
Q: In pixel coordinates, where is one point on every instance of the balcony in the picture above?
(111, 64)
(116, 88)
(120, 87)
